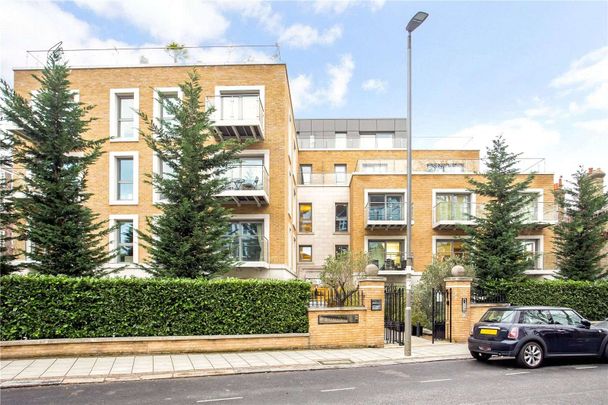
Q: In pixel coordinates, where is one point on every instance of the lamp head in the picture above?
(416, 21)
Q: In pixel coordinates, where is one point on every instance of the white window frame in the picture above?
(439, 238)
(473, 199)
(113, 189)
(367, 239)
(114, 94)
(539, 201)
(541, 252)
(113, 242)
(156, 169)
(158, 93)
(265, 218)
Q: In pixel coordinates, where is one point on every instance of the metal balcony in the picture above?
(237, 116)
(448, 215)
(247, 184)
(385, 215)
(390, 262)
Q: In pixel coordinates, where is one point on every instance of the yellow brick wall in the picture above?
(94, 86)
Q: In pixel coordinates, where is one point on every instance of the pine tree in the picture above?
(8, 215)
(493, 247)
(66, 237)
(580, 235)
(190, 236)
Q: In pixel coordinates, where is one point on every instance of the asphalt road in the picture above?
(448, 382)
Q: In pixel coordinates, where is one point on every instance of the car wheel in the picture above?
(481, 356)
(531, 355)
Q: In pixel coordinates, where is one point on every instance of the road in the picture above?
(447, 382)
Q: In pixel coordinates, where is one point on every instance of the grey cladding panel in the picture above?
(385, 125)
(329, 125)
(317, 125)
(340, 125)
(367, 125)
(352, 125)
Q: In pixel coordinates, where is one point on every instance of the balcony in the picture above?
(385, 215)
(247, 184)
(441, 166)
(389, 261)
(450, 215)
(238, 116)
(540, 215)
(250, 251)
(324, 179)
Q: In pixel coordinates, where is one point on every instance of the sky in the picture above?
(535, 72)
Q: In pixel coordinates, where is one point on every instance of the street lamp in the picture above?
(407, 340)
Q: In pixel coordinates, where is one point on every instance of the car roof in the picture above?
(528, 307)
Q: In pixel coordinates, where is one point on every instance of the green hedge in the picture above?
(590, 299)
(39, 307)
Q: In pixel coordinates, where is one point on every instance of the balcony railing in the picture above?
(250, 250)
(385, 214)
(320, 141)
(451, 214)
(541, 261)
(324, 179)
(247, 183)
(389, 261)
(447, 166)
(238, 115)
(535, 215)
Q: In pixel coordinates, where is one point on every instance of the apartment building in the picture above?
(252, 102)
(352, 196)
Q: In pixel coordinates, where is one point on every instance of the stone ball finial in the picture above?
(371, 270)
(458, 271)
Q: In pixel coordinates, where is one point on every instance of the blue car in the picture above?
(531, 334)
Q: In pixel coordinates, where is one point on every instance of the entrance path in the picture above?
(50, 371)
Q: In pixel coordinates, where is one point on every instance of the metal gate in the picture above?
(441, 314)
(394, 310)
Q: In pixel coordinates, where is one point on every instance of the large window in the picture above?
(532, 249)
(341, 249)
(305, 174)
(385, 207)
(453, 206)
(446, 248)
(247, 242)
(124, 177)
(340, 172)
(386, 254)
(305, 254)
(124, 119)
(341, 217)
(167, 100)
(530, 211)
(305, 216)
(124, 239)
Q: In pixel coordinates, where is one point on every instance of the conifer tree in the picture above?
(65, 236)
(580, 236)
(493, 247)
(190, 236)
(8, 215)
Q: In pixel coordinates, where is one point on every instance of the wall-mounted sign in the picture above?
(376, 305)
(332, 319)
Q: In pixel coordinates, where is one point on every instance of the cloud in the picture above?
(303, 36)
(305, 94)
(375, 85)
(599, 126)
(339, 6)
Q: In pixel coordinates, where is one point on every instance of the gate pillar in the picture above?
(373, 293)
(458, 312)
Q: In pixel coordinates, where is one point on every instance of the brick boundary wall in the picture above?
(368, 332)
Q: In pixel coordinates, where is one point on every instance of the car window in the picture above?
(535, 317)
(498, 316)
(564, 317)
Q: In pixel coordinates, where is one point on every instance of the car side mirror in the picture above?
(585, 324)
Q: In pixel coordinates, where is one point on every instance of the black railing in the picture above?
(328, 298)
(481, 295)
(394, 314)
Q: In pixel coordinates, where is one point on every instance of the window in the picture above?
(453, 206)
(384, 140)
(535, 317)
(367, 141)
(341, 142)
(124, 178)
(340, 172)
(124, 238)
(305, 253)
(167, 101)
(531, 249)
(341, 217)
(305, 174)
(446, 248)
(341, 249)
(247, 173)
(386, 254)
(561, 317)
(248, 243)
(499, 316)
(305, 217)
(530, 210)
(385, 207)
(124, 121)
(164, 170)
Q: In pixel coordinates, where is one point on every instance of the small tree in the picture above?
(8, 215)
(493, 248)
(178, 52)
(190, 237)
(338, 274)
(65, 235)
(580, 235)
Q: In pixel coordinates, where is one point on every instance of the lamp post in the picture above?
(407, 340)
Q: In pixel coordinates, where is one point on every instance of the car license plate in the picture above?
(488, 332)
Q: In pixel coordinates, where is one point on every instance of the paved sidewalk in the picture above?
(45, 371)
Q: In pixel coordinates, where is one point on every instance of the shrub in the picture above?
(589, 298)
(39, 307)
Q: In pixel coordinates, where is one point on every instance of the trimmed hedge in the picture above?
(589, 298)
(41, 307)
